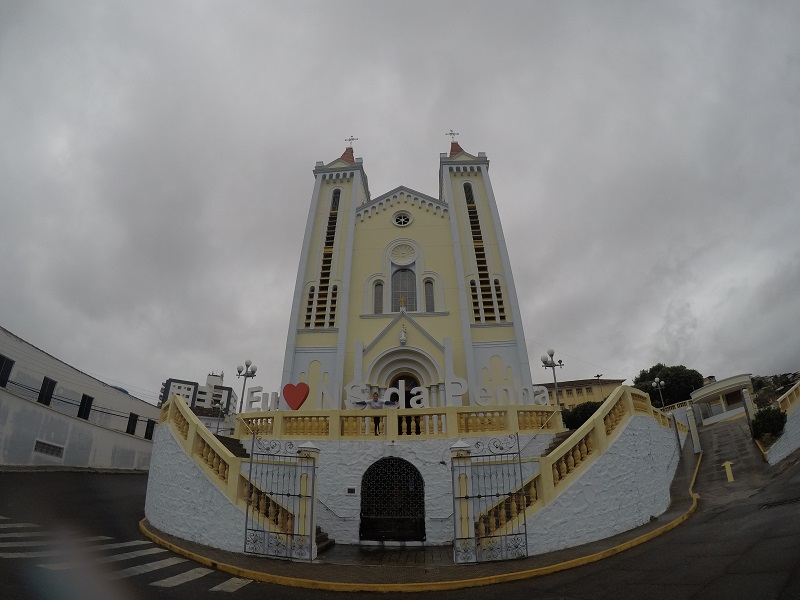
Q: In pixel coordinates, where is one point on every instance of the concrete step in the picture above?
(324, 542)
(557, 441)
(235, 446)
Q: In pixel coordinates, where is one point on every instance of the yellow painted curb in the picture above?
(761, 448)
(430, 586)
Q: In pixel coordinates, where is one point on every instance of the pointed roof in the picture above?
(348, 155)
(455, 148)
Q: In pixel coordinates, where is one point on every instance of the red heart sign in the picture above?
(295, 395)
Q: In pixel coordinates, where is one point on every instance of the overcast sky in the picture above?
(156, 158)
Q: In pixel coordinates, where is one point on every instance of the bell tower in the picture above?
(407, 295)
(497, 358)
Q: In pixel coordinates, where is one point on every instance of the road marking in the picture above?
(45, 553)
(16, 525)
(21, 544)
(147, 567)
(233, 584)
(183, 577)
(4, 519)
(104, 560)
(727, 464)
(25, 534)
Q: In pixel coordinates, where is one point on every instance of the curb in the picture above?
(431, 586)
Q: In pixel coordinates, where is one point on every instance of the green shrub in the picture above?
(578, 415)
(770, 420)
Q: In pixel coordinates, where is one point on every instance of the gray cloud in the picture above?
(156, 164)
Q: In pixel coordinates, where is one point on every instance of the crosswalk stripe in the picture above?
(146, 567)
(25, 534)
(183, 577)
(16, 525)
(104, 560)
(4, 519)
(45, 553)
(233, 584)
(21, 544)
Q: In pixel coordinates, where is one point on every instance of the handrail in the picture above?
(538, 431)
(788, 401)
(224, 467)
(398, 424)
(568, 460)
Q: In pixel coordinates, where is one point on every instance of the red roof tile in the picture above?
(455, 148)
(348, 155)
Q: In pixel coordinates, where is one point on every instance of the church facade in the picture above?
(407, 413)
(407, 294)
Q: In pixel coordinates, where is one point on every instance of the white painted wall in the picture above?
(84, 444)
(621, 490)
(183, 502)
(788, 442)
(32, 365)
(343, 464)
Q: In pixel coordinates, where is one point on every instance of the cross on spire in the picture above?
(452, 135)
(350, 141)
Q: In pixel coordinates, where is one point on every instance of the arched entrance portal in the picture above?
(406, 425)
(392, 502)
(410, 382)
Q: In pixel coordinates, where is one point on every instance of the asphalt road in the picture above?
(744, 542)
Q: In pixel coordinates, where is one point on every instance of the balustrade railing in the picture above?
(789, 401)
(225, 469)
(381, 424)
(567, 461)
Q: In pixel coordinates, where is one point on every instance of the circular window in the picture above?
(403, 254)
(402, 218)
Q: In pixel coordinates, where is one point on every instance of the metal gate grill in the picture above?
(489, 508)
(279, 502)
(392, 502)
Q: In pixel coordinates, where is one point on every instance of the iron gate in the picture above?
(489, 508)
(392, 502)
(280, 502)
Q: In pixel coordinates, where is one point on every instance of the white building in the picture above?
(52, 414)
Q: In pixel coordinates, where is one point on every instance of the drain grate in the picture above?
(780, 503)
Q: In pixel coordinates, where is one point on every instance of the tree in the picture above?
(679, 382)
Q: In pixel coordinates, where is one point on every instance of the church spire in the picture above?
(455, 148)
(348, 152)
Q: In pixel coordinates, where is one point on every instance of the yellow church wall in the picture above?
(316, 338)
(430, 231)
(492, 333)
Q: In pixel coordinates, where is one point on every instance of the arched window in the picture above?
(377, 298)
(335, 201)
(429, 296)
(404, 290)
(468, 193)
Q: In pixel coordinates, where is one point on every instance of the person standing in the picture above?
(376, 403)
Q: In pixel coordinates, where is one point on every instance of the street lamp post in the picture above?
(220, 414)
(659, 385)
(549, 363)
(248, 371)
(598, 376)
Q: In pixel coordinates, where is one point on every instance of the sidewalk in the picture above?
(356, 568)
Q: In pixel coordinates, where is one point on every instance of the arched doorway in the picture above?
(406, 424)
(392, 502)
(410, 382)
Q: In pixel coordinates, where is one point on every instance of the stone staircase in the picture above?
(235, 446)
(324, 542)
(557, 441)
